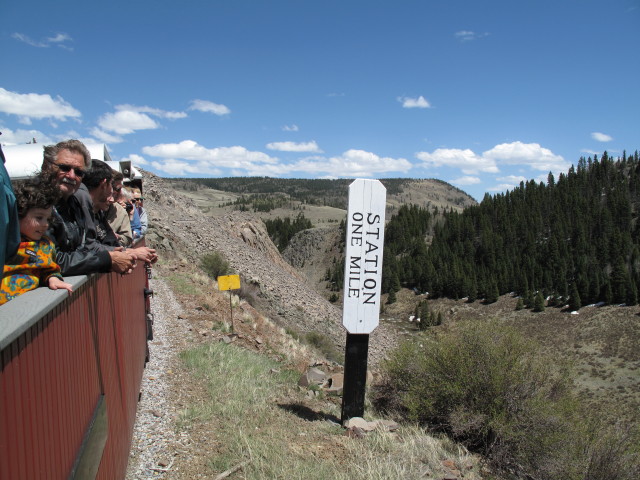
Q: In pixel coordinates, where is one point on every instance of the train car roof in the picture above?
(22, 161)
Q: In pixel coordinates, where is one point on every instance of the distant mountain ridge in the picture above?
(334, 192)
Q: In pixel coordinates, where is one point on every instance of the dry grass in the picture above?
(257, 417)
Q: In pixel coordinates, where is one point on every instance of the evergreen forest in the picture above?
(281, 231)
(575, 238)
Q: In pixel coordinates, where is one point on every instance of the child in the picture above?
(34, 263)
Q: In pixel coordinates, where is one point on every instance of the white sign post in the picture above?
(362, 283)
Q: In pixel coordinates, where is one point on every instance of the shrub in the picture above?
(214, 265)
(485, 387)
(324, 345)
(538, 303)
(249, 291)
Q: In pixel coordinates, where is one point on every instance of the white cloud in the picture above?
(35, 105)
(10, 137)
(601, 137)
(419, 102)
(209, 107)
(295, 147)
(590, 152)
(152, 111)
(104, 136)
(173, 167)
(129, 118)
(466, 160)
(513, 179)
(352, 163)
(509, 182)
(531, 155)
(290, 128)
(124, 122)
(190, 157)
(25, 39)
(501, 187)
(468, 180)
(59, 39)
(468, 35)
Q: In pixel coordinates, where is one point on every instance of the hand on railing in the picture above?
(144, 254)
(56, 283)
(122, 261)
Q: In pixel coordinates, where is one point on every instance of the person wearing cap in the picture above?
(73, 231)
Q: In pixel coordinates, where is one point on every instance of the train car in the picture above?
(71, 367)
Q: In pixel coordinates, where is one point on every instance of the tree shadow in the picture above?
(307, 413)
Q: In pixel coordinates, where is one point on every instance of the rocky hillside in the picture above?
(182, 233)
(311, 252)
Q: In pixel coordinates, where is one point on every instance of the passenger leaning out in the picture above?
(34, 263)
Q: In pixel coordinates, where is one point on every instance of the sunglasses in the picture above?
(67, 168)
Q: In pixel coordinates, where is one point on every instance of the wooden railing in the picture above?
(70, 374)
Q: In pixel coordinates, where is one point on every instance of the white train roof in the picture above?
(22, 161)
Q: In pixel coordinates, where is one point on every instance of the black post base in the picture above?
(355, 376)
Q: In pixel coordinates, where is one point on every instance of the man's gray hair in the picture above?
(126, 194)
(76, 146)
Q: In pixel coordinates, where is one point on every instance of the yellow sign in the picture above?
(229, 282)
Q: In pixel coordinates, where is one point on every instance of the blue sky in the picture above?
(480, 94)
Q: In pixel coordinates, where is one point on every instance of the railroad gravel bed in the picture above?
(155, 443)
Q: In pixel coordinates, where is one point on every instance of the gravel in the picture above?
(155, 443)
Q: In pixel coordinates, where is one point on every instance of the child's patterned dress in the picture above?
(31, 266)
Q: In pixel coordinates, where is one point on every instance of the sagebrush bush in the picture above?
(485, 386)
(324, 344)
(214, 265)
(249, 291)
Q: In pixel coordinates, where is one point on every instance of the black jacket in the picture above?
(72, 230)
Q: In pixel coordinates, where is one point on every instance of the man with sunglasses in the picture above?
(137, 203)
(73, 231)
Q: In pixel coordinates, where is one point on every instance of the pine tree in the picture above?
(425, 316)
(528, 299)
(392, 297)
(574, 298)
(632, 293)
(538, 303)
(493, 293)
